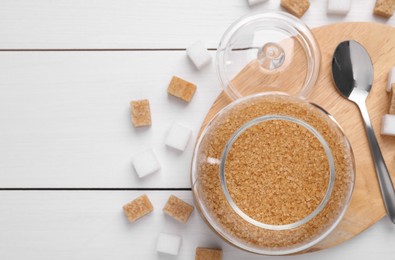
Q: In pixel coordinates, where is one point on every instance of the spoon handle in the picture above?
(386, 187)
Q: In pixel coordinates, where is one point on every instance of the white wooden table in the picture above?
(68, 69)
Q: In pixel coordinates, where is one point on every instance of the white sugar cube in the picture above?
(168, 244)
(178, 137)
(145, 163)
(391, 79)
(199, 54)
(255, 2)
(388, 125)
(338, 6)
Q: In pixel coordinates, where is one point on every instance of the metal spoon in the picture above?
(352, 71)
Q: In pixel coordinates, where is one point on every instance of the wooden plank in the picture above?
(139, 24)
(65, 117)
(91, 225)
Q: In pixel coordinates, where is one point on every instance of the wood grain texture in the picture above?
(112, 24)
(366, 206)
(63, 225)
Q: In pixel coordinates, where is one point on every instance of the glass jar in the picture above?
(272, 173)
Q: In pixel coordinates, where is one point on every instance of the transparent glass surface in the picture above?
(272, 174)
(268, 51)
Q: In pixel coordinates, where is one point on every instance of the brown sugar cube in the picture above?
(384, 8)
(138, 208)
(178, 209)
(208, 254)
(141, 114)
(392, 105)
(181, 88)
(296, 7)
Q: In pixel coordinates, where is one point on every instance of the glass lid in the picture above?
(268, 51)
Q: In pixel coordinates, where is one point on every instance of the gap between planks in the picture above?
(95, 50)
(95, 189)
(114, 50)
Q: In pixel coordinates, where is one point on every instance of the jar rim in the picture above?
(329, 156)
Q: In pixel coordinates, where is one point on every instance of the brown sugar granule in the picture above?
(392, 98)
(203, 253)
(246, 157)
(384, 8)
(296, 7)
(178, 209)
(281, 155)
(138, 208)
(141, 114)
(181, 89)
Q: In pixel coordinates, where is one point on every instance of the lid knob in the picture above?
(271, 56)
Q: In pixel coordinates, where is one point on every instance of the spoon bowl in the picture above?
(352, 69)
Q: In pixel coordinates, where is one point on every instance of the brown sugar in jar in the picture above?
(272, 174)
(277, 172)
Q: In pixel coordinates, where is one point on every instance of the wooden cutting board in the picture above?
(366, 206)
